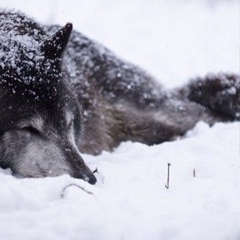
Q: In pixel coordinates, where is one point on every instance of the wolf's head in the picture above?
(40, 119)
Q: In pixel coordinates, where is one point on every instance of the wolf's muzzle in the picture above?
(90, 178)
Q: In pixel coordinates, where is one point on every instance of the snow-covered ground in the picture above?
(174, 40)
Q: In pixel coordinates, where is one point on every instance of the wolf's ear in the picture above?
(56, 44)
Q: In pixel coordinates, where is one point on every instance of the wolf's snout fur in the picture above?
(62, 94)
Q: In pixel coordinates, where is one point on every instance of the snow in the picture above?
(11, 41)
(174, 40)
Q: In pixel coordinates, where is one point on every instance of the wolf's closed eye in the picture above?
(32, 130)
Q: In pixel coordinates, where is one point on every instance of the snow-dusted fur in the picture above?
(61, 93)
(122, 102)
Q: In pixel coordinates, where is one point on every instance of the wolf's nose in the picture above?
(90, 178)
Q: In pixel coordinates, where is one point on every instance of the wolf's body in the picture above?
(61, 94)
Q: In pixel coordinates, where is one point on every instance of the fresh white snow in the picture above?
(174, 40)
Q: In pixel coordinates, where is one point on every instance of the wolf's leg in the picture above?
(219, 93)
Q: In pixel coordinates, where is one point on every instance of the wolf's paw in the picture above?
(220, 93)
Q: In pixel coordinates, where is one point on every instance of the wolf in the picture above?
(63, 94)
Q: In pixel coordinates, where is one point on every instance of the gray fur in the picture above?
(62, 93)
(123, 102)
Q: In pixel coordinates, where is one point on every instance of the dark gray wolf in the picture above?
(62, 94)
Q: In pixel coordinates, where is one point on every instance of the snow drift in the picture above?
(174, 40)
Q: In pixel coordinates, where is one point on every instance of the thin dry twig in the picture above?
(168, 176)
(194, 172)
(99, 174)
(74, 185)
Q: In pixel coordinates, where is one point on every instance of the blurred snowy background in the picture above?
(174, 40)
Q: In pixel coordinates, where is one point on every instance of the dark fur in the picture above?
(112, 100)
